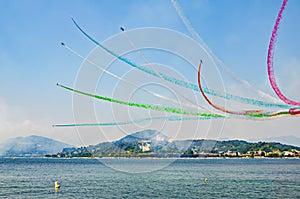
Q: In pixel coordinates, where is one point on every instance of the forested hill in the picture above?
(155, 144)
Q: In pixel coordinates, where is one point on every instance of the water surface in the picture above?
(149, 178)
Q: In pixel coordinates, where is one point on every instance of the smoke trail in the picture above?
(145, 106)
(171, 118)
(197, 37)
(294, 111)
(250, 113)
(146, 70)
(128, 82)
(180, 82)
(153, 68)
(270, 59)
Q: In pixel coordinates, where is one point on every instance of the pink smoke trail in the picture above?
(270, 59)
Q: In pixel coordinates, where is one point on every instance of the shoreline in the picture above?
(167, 158)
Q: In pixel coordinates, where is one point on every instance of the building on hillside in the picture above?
(288, 153)
(232, 154)
(275, 153)
(256, 153)
(145, 145)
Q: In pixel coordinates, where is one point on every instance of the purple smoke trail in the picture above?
(270, 59)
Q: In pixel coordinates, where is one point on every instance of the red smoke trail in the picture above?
(219, 107)
(250, 113)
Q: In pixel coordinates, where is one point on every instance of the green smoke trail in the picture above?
(173, 110)
(180, 82)
(171, 118)
(144, 106)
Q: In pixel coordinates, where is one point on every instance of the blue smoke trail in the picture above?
(180, 82)
(170, 118)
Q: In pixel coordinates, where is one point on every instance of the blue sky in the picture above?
(32, 59)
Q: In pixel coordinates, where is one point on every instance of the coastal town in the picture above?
(228, 154)
(174, 149)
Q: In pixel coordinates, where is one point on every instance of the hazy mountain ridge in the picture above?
(31, 146)
(289, 140)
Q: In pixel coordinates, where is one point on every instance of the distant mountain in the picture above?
(31, 146)
(289, 140)
(155, 144)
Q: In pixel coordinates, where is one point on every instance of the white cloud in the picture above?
(17, 121)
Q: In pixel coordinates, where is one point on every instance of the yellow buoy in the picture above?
(57, 185)
(205, 179)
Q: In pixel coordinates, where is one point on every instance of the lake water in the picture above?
(149, 178)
